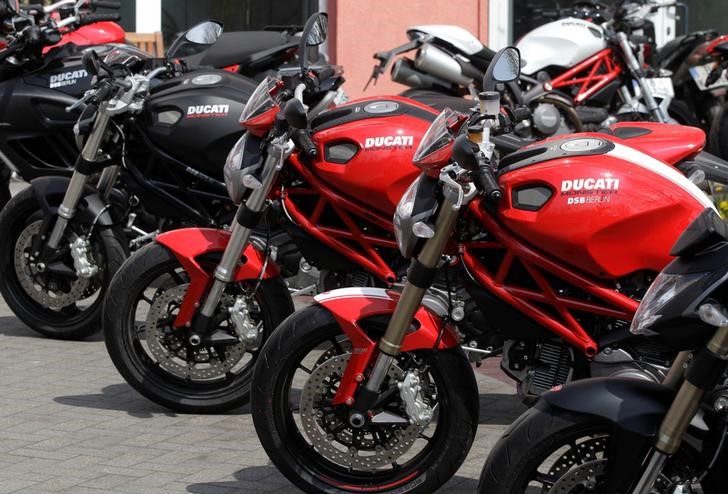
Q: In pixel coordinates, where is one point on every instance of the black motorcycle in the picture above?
(155, 143)
(626, 435)
(37, 137)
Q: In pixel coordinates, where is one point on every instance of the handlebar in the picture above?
(485, 181)
(104, 4)
(303, 141)
(86, 19)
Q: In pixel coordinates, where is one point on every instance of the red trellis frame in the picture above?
(591, 75)
(606, 301)
(352, 242)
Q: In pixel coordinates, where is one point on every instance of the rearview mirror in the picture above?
(204, 33)
(195, 39)
(314, 34)
(505, 67)
(90, 61)
(319, 30)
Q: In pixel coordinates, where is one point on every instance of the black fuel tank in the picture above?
(195, 118)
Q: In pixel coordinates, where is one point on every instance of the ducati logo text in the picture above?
(389, 142)
(66, 78)
(586, 184)
(208, 111)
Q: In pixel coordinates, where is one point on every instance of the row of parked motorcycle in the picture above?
(551, 217)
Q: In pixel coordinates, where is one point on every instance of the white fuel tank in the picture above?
(562, 43)
(456, 36)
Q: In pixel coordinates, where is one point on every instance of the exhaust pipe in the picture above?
(433, 60)
(404, 72)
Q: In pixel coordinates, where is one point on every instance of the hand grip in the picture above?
(325, 72)
(303, 142)
(485, 181)
(104, 4)
(86, 19)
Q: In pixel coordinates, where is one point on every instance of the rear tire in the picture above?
(135, 364)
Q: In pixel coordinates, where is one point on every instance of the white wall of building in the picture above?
(148, 16)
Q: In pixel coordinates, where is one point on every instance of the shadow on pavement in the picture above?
(259, 479)
(12, 326)
(116, 397)
(249, 480)
(500, 409)
(124, 398)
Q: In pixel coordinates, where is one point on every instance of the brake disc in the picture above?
(171, 350)
(589, 466)
(28, 275)
(339, 442)
(586, 477)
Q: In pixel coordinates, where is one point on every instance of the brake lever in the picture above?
(87, 96)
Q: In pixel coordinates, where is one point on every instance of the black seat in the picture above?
(235, 47)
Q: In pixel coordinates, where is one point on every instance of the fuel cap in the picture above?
(583, 144)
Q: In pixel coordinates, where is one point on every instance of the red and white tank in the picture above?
(601, 202)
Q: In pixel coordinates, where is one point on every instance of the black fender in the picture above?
(633, 405)
(634, 408)
(94, 210)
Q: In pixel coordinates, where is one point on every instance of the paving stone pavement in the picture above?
(69, 423)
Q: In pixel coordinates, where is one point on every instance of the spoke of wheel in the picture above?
(545, 479)
(177, 278)
(422, 436)
(146, 299)
(305, 369)
(337, 346)
(577, 453)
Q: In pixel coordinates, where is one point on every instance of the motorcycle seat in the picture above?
(236, 47)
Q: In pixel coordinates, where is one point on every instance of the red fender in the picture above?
(187, 244)
(350, 305)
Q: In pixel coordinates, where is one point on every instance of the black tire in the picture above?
(69, 323)
(146, 265)
(535, 435)
(303, 465)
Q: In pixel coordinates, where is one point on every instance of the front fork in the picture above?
(634, 67)
(246, 219)
(411, 298)
(684, 406)
(76, 186)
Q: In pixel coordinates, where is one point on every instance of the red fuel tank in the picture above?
(366, 148)
(599, 202)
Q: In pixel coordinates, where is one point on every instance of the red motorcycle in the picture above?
(185, 311)
(370, 389)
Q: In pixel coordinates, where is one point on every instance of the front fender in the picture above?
(93, 210)
(188, 244)
(633, 405)
(350, 306)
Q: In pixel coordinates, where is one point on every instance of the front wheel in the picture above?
(566, 452)
(49, 295)
(320, 448)
(157, 359)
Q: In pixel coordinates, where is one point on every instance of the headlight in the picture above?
(261, 109)
(665, 289)
(436, 145)
(243, 159)
(416, 207)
